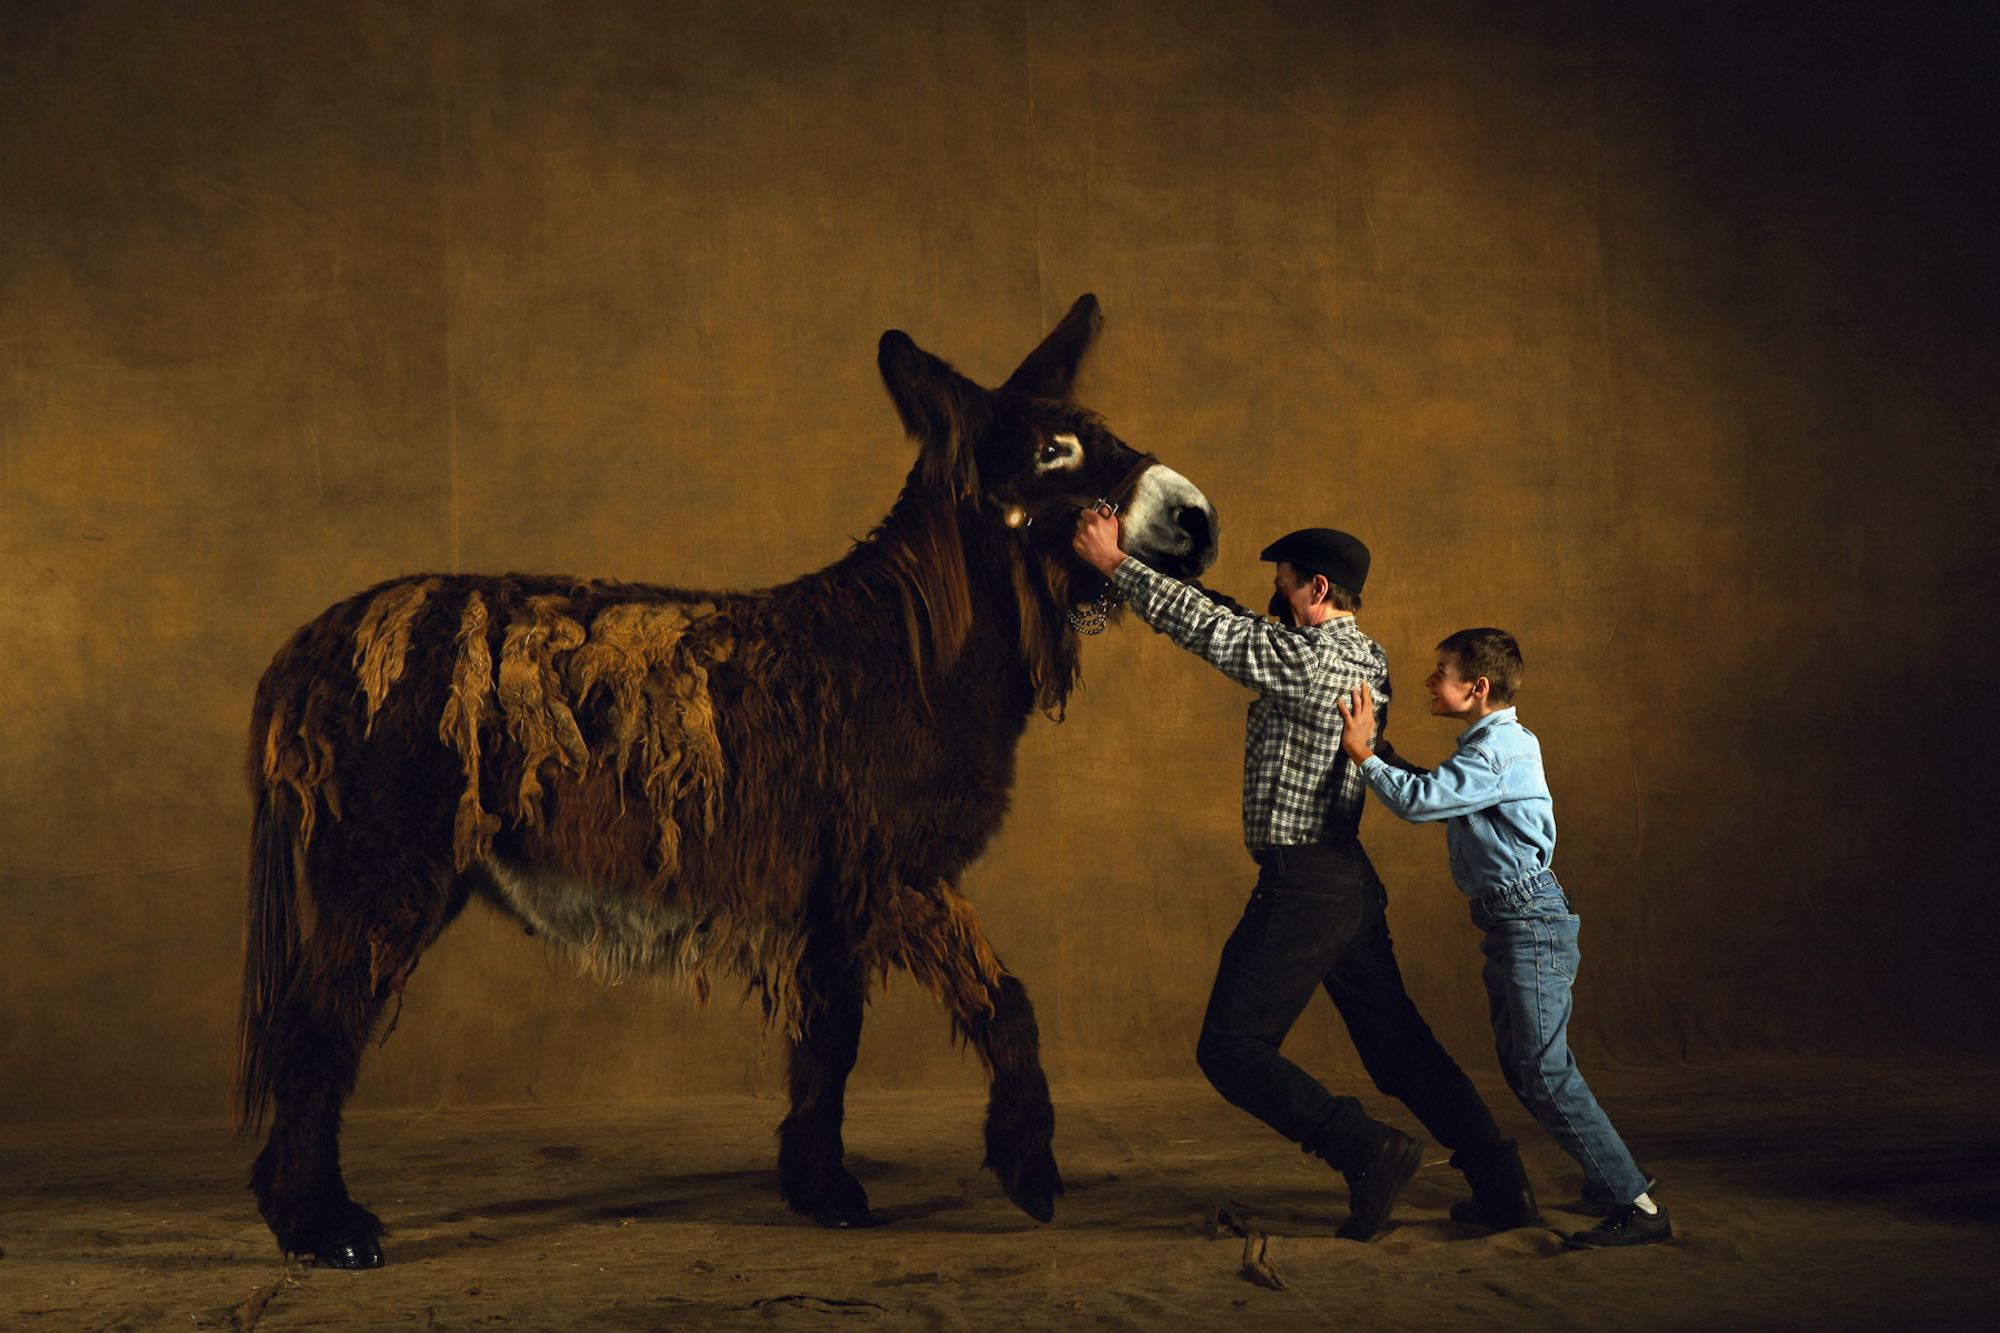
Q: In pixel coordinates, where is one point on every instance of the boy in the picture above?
(1501, 830)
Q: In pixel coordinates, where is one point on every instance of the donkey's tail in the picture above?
(270, 954)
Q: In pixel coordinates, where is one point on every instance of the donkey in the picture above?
(784, 785)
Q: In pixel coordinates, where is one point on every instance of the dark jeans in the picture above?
(1316, 919)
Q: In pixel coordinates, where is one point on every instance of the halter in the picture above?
(1093, 617)
(1017, 515)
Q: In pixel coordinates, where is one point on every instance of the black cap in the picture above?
(1343, 559)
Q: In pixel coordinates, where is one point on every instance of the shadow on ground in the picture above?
(1802, 1192)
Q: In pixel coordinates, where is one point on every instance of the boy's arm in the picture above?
(1458, 786)
(1461, 784)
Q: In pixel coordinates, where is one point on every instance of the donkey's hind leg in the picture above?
(346, 970)
(832, 993)
(935, 935)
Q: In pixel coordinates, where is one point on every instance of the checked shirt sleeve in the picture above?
(1250, 651)
(1463, 783)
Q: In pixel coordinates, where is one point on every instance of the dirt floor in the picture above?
(1806, 1195)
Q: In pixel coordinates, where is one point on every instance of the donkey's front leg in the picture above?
(833, 990)
(934, 934)
(1020, 1121)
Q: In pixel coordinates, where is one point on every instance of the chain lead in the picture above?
(1093, 618)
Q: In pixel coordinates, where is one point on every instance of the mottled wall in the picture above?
(1661, 341)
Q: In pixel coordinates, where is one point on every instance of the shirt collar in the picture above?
(1497, 718)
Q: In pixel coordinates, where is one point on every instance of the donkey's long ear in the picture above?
(1050, 368)
(941, 409)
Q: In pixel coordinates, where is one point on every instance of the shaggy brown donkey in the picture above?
(785, 785)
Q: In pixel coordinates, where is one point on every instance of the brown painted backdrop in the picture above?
(1660, 341)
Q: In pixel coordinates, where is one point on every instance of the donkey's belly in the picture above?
(614, 932)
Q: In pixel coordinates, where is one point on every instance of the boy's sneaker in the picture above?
(1629, 1225)
(1372, 1187)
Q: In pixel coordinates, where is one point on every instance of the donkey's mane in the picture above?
(919, 551)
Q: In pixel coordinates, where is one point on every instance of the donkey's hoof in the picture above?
(1038, 1200)
(1035, 1186)
(346, 1236)
(352, 1254)
(833, 1200)
(846, 1218)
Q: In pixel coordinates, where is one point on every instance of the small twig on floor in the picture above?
(1259, 1261)
(251, 1311)
(822, 1304)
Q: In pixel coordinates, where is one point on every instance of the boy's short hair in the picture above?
(1491, 653)
(1338, 597)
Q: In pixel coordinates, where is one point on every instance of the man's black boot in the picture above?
(1386, 1165)
(1502, 1198)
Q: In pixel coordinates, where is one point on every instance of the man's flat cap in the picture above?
(1342, 558)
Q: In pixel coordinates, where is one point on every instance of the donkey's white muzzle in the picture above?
(1170, 524)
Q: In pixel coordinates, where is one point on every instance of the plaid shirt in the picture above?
(1298, 786)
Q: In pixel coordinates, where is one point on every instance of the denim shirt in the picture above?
(1492, 793)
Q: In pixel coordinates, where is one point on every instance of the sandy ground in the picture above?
(1807, 1195)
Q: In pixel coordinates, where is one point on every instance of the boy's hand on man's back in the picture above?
(1357, 716)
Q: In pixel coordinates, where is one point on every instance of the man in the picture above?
(1316, 916)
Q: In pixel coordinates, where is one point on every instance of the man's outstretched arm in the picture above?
(1245, 648)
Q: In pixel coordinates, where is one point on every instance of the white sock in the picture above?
(1644, 1203)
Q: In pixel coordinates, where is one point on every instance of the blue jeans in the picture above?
(1316, 920)
(1531, 962)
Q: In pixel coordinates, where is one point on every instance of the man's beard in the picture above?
(1282, 609)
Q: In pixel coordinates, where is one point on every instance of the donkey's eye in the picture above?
(1060, 451)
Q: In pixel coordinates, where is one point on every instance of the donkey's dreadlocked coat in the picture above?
(783, 785)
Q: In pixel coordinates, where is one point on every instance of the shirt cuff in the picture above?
(1372, 765)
